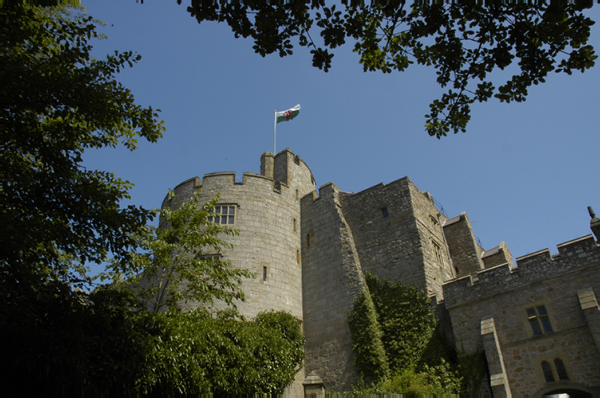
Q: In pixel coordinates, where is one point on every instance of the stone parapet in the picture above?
(573, 255)
(497, 256)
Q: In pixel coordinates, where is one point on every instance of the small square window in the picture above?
(224, 215)
(434, 221)
(384, 212)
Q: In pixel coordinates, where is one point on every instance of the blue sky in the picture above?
(524, 173)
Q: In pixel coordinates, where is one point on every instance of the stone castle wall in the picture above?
(398, 236)
(501, 295)
(464, 250)
(389, 230)
(267, 215)
(332, 280)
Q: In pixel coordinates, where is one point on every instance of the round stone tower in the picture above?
(265, 208)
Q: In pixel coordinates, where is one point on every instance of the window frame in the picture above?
(561, 369)
(438, 253)
(538, 320)
(231, 213)
(547, 371)
(553, 368)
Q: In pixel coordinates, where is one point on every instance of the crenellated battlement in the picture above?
(229, 177)
(573, 255)
(326, 191)
(283, 170)
(215, 180)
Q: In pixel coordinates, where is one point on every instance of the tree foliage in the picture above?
(68, 343)
(64, 343)
(196, 353)
(182, 259)
(56, 102)
(464, 41)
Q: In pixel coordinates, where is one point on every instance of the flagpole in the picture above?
(275, 132)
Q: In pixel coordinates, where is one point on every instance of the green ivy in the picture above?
(398, 344)
(369, 353)
(407, 323)
(473, 368)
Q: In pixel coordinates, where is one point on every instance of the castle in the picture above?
(538, 322)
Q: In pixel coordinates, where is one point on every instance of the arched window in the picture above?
(547, 371)
(560, 369)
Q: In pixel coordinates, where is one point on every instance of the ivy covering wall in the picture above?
(399, 347)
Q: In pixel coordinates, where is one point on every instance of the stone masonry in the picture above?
(538, 323)
(564, 284)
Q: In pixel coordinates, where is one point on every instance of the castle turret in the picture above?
(265, 208)
(464, 250)
(267, 164)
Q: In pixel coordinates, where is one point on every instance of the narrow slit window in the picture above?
(437, 250)
(308, 241)
(264, 274)
(295, 225)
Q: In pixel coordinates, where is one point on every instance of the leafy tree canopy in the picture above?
(63, 343)
(181, 260)
(196, 353)
(464, 41)
(56, 102)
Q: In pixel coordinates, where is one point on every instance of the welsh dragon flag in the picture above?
(291, 113)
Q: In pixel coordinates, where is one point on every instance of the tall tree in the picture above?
(56, 102)
(464, 41)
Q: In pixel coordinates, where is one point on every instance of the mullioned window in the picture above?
(225, 215)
